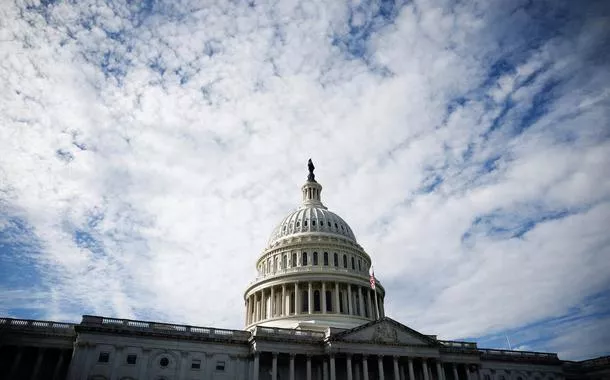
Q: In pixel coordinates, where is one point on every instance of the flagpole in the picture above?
(373, 282)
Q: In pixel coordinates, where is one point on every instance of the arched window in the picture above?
(329, 301)
(316, 300)
(285, 262)
(313, 223)
(305, 223)
(304, 259)
(336, 260)
(275, 264)
(298, 223)
(315, 258)
(353, 264)
(344, 261)
(294, 259)
(360, 265)
(291, 307)
(325, 258)
(304, 302)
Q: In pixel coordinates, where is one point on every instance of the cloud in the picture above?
(150, 149)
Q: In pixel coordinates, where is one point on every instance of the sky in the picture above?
(148, 149)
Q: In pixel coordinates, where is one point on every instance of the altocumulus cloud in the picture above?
(147, 149)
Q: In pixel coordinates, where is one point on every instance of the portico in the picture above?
(382, 349)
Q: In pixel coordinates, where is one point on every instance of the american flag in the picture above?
(372, 278)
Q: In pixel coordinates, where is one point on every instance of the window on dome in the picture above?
(305, 223)
(315, 258)
(285, 262)
(294, 260)
(342, 228)
(326, 258)
(313, 223)
(275, 264)
(298, 223)
(360, 265)
(353, 263)
(329, 224)
(336, 226)
(344, 261)
(304, 259)
(316, 300)
(336, 259)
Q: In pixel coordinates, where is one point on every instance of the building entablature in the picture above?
(305, 277)
(135, 328)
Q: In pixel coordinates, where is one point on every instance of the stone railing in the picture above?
(292, 334)
(164, 328)
(456, 344)
(312, 269)
(518, 355)
(55, 328)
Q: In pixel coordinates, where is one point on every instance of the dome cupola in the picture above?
(313, 273)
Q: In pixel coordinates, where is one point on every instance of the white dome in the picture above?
(314, 220)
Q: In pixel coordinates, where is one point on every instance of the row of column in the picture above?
(361, 372)
(285, 300)
(40, 355)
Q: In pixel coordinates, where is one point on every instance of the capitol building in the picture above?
(314, 311)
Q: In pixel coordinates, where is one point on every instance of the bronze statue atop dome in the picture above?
(311, 176)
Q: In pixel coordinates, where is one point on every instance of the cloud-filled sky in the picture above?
(148, 148)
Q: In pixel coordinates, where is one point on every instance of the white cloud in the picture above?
(176, 138)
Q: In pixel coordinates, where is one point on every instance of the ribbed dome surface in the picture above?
(311, 220)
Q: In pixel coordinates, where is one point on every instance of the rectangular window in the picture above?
(104, 357)
(220, 366)
(131, 359)
(325, 258)
(336, 260)
(304, 259)
(196, 364)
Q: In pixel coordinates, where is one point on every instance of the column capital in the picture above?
(275, 354)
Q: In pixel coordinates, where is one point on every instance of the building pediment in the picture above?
(384, 331)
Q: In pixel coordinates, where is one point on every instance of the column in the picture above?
(256, 367)
(370, 304)
(396, 373)
(337, 301)
(296, 298)
(310, 299)
(274, 366)
(439, 370)
(144, 363)
(308, 368)
(425, 370)
(455, 372)
(349, 299)
(283, 303)
(360, 301)
(247, 311)
(411, 372)
(323, 298)
(16, 362)
(60, 362)
(115, 362)
(272, 303)
(348, 367)
(39, 358)
(365, 367)
(291, 367)
(257, 313)
(402, 372)
(333, 374)
(380, 367)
